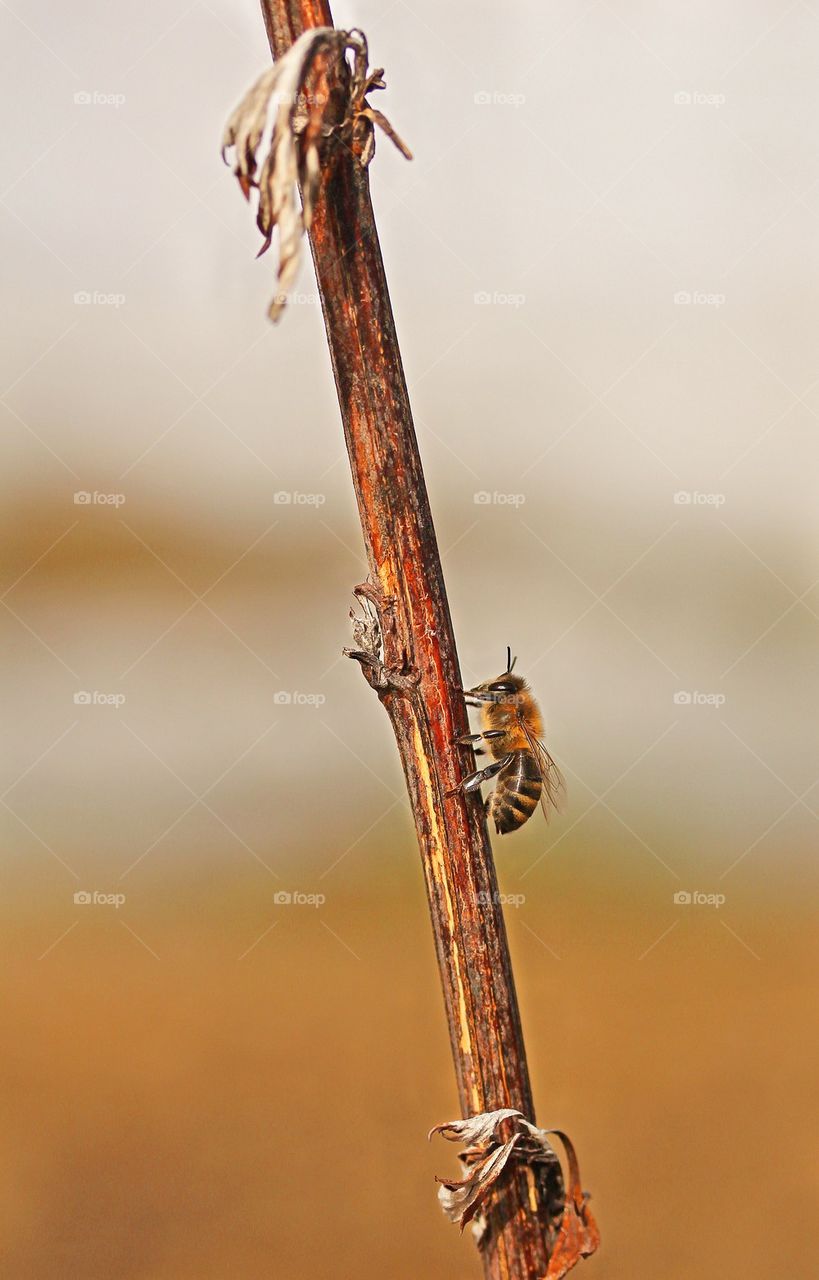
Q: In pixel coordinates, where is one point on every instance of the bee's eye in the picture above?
(501, 686)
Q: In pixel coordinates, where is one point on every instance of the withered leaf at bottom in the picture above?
(487, 1154)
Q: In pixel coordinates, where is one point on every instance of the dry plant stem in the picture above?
(417, 677)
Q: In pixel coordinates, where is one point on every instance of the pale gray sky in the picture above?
(602, 262)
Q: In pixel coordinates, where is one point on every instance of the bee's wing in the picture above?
(553, 795)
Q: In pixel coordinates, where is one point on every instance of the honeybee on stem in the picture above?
(511, 728)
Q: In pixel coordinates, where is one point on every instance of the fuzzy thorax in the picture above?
(506, 714)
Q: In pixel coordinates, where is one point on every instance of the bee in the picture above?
(511, 728)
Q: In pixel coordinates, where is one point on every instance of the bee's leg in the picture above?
(474, 697)
(474, 780)
(464, 739)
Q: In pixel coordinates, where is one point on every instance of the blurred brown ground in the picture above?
(194, 1114)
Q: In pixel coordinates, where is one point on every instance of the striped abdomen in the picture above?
(517, 792)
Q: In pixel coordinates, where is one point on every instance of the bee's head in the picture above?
(506, 682)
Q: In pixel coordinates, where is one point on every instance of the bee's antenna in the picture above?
(510, 661)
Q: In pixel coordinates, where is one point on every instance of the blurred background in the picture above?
(603, 265)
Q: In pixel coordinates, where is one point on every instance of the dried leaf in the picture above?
(381, 120)
(578, 1235)
(300, 122)
(488, 1154)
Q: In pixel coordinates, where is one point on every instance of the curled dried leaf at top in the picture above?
(276, 131)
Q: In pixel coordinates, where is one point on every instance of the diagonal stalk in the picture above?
(417, 675)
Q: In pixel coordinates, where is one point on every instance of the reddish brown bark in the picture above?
(418, 677)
